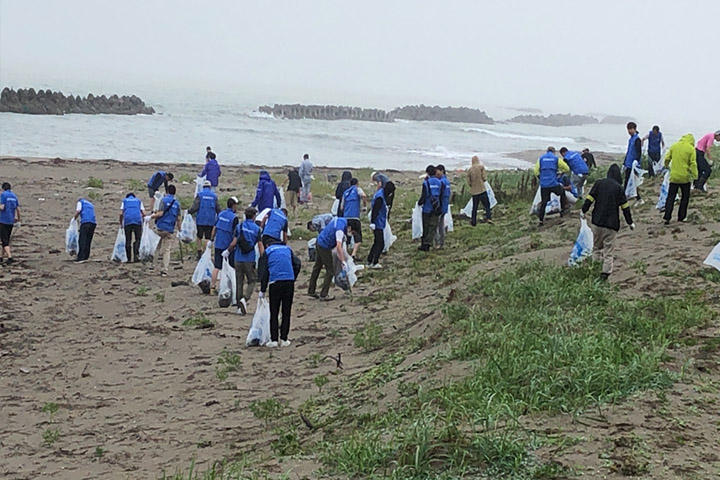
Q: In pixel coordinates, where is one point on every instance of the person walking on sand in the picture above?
(589, 158)
(266, 193)
(292, 192)
(633, 154)
(608, 195)
(222, 237)
(431, 203)
(340, 189)
(275, 227)
(351, 211)
(578, 167)
(9, 217)
(157, 180)
(682, 159)
(378, 220)
(85, 211)
(246, 239)
(319, 222)
(656, 143)
(167, 219)
(388, 187)
(477, 176)
(702, 153)
(332, 236)
(132, 213)
(445, 199)
(305, 173)
(278, 269)
(548, 168)
(211, 171)
(205, 207)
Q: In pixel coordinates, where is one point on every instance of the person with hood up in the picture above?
(477, 176)
(578, 167)
(682, 159)
(608, 195)
(340, 189)
(211, 172)
(305, 172)
(388, 188)
(702, 153)
(266, 192)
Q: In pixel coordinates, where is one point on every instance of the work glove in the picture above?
(632, 226)
(261, 295)
(372, 226)
(225, 253)
(209, 244)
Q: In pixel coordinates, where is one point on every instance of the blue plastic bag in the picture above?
(583, 245)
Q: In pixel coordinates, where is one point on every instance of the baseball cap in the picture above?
(207, 183)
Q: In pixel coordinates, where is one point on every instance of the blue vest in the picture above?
(351, 203)
(446, 194)
(549, 170)
(432, 187)
(381, 219)
(132, 214)
(654, 142)
(206, 214)
(276, 223)
(576, 163)
(224, 229)
(632, 154)
(251, 232)
(326, 239)
(279, 258)
(171, 208)
(87, 212)
(7, 216)
(157, 180)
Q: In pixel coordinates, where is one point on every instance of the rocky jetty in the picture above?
(616, 120)
(326, 112)
(442, 114)
(556, 120)
(47, 102)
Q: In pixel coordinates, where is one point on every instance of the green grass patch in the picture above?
(199, 320)
(94, 182)
(227, 362)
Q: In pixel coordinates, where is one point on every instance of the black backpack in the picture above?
(435, 202)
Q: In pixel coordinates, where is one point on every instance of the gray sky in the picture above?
(655, 59)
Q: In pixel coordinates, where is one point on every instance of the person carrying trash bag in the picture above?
(85, 212)
(205, 207)
(167, 219)
(378, 220)
(332, 236)
(266, 192)
(9, 217)
(682, 159)
(132, 213)
(431, 203)
(246, 239)
(477, 176)
(211, 171)
(608, 196)
(158, 179)
(275, 227)
(442, 228)
(548, 168)
(221, 237)
(278, 269)
(578, 167)
(633, 154)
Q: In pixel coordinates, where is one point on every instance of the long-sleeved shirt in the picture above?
(608, 196)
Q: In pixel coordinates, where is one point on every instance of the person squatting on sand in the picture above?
(167, 219)
(548, 168)
(278, 268)
(9, 217)
(85, 211)
(682, 160)
(132, 213)
(158, 179)
(246, 239)
(205, 207)
(332, 236)
(477, 176)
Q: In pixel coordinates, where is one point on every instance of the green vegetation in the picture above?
(368, 338)
(94, 196)
(50, 408)
(186, 178)
(50, 436)
(135, 185)
(94, 182)
(199, 320)
(142, 291)
(99, 452)
(321, 381)
(227, 362)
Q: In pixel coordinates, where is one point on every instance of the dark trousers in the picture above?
(485, 200)
(281, 295)
(87, 231)
(653, 158)
(323, 258)
(377, 247)
(545, 198)
(430, 224)
(389, 196)
(628, 172)
(684, 200)
(134, 247)
(704, 169)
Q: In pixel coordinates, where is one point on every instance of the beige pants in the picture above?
(603, 247)
(164, 248)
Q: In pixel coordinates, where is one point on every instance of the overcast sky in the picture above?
(655, 59)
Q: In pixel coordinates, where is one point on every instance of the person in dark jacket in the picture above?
(378, 220)
(589, 158)
(211, 171)
(292, 193)
(388, 187)
(634, 154)
(608, 195)
(157, 180)
(656, 143)
(431, 201)
(266, 193)
(340, 189)
(278, 268)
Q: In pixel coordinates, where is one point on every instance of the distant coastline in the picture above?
(47, 102)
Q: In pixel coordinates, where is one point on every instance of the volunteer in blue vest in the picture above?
(246, 238)
(331, 237)
(656, 143)
(440, 231)
(158, 179)
(211, 171)
(388, 187)
(167, 219)
(548, 168)
(222, 236)
(85, 211)
(319, 222)
(634, 154)
(351, 211)
(9, 216)
(267, 194)
(132, 213)
(275, 227)
(431, 203)
(378, 220)
(578, 167)
(205, 207)
(279, 268)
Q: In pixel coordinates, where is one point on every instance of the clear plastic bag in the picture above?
(71, 237)
(204, 268)
(119, 254)
(199, 184)
(449, 220)
(259, 333)
(148, 243)
(345, 278)
(227, 291)
(553, 206)
(188, 229)
(417, 226)
(664, 189)
(583, 245)
(636, 179)
(158, 201)
(491, 195)
(713, 259)
(389, 237)
(335, 207)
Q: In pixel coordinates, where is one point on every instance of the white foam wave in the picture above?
(256, 114)
(518, 136)
(440, 152)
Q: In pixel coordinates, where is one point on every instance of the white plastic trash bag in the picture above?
(259, 333)
(388, 236)
(188, 229)
(158, 201)
(664, 188)
(713, 259)
(335, 207)
(199, 184)
(449, 227)
(345, 278)
(417, 226)
(119, 254)
(583, 245)
(658, 167)
(553, 206)
(282, 199)
(491, 195)
(227, 291)
(204, 268)
(636, 179)
(71, 237)
(467, 211)
(148, 243)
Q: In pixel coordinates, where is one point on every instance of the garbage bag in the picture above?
(148, 243)
(467, 211)
(227, 291)
(345, 278)
(282, 199)
(158, 201)
(713, 259)
(335, 207)
(636, 179)
(389, 237)
(199, 184)
(553, 206)
(417, 226)
(119, 254)
(449, 227)
(259, 333)
(204, 268)
(491, 195)
(188, 229)
(312, 252)
(664, 188)
(71, 237)
(583, 245)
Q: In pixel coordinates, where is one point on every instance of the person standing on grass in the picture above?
(266, 193)
(157, 180)
(319, 222)
(445, 206)
(247, 237)
(305, 173)
(222, 237)
(608, 195)
(9, 216)
(85, 211)
(132, 213)
(292, 193)
(211, 171)
(702, 152)
(332, 236)
(278, 268)
(205, 207)
(167, 219)
(682, 159)
(548, 168)
(634, 154)
(656, 143)
(589, 158)
(378, 220)
(351, 211)
(275, 227)
(578, 167)
(431, 203)
(340, 189)
(477, 176)
(388, 187)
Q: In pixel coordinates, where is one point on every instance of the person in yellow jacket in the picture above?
(683, 170)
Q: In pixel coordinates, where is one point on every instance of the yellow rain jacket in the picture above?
(682, 160)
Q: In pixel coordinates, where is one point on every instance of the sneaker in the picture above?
(541, 223)
(604, 276)
(9, 261)
(313, 295)
(242, 307)
(199, 255)
(284, 343)
(377, 266)
(271, 344)
(163, 274)
(666, 222)
(490, 222)
(639, 203)
(327, 298)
